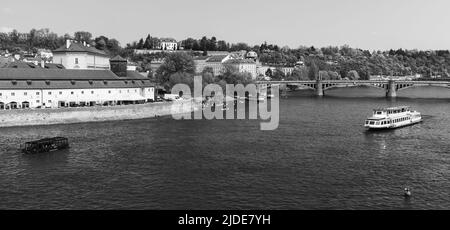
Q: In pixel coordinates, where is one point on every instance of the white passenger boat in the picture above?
(391, 118)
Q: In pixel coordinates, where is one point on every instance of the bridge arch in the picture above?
(382, 86)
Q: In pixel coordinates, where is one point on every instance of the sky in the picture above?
(365, 24)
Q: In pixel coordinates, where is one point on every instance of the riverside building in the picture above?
(25, 88)
(80, 55)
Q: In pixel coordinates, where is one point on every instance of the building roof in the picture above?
(251, 54)
(75, 84)
(11, 78)
(79, 47)
(167, 40)
(118, 58)
(21, 65)
(216, 58)
(201, 58)
(240, 61)
(54, 66)
(214, 53)
(63, 74)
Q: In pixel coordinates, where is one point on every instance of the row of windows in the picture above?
(60, 92)
(387, 122)
(395, 121)
(401, 119)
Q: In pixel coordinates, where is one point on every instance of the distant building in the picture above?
(216, 53)
(167, 44)
(299, 64)
(132, 66)
(77, 55)
(243, 66)
(45, 54)
(262, 70)
(214, 62)
(219, 63)
(251, 55)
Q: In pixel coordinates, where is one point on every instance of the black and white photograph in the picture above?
(225, 105)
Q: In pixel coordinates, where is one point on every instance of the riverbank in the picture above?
(30, 117)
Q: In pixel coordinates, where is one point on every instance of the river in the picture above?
(320, 157)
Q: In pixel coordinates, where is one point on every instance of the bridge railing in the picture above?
(353, 81)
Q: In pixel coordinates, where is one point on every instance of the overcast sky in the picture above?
(366, 24)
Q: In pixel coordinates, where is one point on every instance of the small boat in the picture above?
(391, 118)
(45, 145)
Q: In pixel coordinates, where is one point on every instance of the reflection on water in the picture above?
(320, 157)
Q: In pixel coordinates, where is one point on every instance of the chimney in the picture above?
(68, 43)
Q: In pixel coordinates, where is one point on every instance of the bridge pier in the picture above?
(283, 90)
(391, 89)
(319, 88)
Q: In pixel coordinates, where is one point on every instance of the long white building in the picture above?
(23, 88)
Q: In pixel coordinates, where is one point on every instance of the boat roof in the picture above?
(47, 140)
(392, 108)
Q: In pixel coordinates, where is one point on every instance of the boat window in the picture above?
(372, 122)
(379, 113)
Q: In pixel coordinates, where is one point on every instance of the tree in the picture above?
(113, 46)
(222, 45)
(353, 75)
(278, 75)
(175, 63)
(179, 78)
(140, 45)
(313, 71)
(269, 72)
(101, 42)
(300, 74)
(83, 36)
(148, 43)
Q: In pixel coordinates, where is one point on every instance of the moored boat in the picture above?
(46, 145)
(391, 118)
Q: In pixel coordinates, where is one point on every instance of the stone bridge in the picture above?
(390, 86)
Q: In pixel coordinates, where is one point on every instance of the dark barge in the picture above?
(46, 145)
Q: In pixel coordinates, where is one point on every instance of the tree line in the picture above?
(15, 41)
(331, 61)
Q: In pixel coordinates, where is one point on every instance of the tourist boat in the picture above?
(391, 118)
(46, 145)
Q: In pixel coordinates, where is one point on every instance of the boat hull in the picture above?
(393, 127)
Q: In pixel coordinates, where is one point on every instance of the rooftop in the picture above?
(79, 47)
(217, 58)
(118, 58)
(240, 61)
(392, 108)
(63, 74)
(167, 40)
(11, 78)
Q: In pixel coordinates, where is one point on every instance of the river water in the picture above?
(320, 157)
